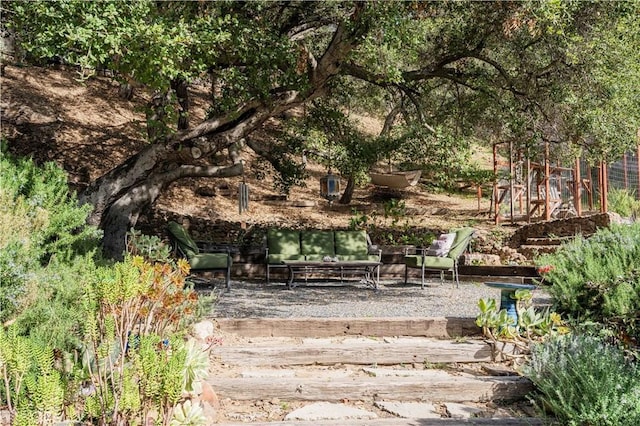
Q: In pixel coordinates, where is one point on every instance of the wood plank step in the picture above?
(434, 327)
(451, 388)
(362, 352)
(525, 421)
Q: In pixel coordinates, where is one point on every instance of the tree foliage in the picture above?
(441, 74)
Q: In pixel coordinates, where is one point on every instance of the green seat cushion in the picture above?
(351, 243)
(317, 243)
(183, 239)
(461, 242)
(430, 262)
(283, 241)
(205, 261)
(352, 257)
(279, 258)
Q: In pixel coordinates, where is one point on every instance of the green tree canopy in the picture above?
(441, 74)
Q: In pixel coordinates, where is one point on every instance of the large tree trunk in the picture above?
(122, 214)
(347, 195)
(120, 195)
(181, 88)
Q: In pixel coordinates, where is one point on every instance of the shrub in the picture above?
(623, 202)
(598, 279)
(512, 339)
(39, 220)
(79, 339)
(582, 381)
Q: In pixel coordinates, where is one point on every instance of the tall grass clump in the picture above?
(597, 280)
(581, 380)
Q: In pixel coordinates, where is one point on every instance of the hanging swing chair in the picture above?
(396, 180)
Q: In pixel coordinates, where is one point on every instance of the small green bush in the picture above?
(623, 202)
(582, 381)
(39, 220)
(598, 279)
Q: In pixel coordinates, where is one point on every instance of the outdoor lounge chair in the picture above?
(200, 261)
(444, 263)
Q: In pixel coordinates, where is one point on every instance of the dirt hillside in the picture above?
(87, 128)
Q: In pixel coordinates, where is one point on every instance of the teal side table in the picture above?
(507, 290)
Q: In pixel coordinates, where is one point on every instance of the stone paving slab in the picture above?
(409, 410)
(461, 411)
(329, 411)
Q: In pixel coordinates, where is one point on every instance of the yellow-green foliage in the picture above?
(135, 354)
(36, 389)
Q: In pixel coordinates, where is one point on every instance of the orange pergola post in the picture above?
(604, 188)
(577, 188)
(496, 196)
(547, 190)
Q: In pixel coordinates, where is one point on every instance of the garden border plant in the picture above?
(512, 339)
(121, 355)
(593, 375)
(595, 281)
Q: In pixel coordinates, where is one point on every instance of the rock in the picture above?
(461, 411)
(208, 396)
(481, 259)
(203, 330)
(329, 411)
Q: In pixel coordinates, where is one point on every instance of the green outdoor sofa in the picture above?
(284, 245)
(446, 261)
(199, 260)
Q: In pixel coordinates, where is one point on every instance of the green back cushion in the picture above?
(317, 242)
(283, 241)
(210, 261)
(184, 240)
(351, 243)
(461, 242)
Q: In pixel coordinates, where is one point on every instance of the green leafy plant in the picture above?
(387, 228)
(623, 202)
(39, 221)
(598, 279)
(580, 380)
(511, 338)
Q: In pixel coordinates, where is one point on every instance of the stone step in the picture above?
(356, 380)
(532, 250)
(356, 351)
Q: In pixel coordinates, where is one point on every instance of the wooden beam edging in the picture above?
(435, 327)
